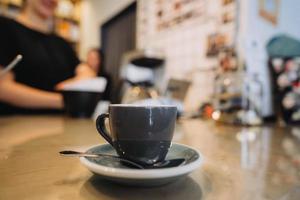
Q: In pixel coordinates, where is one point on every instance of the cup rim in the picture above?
(142, 106)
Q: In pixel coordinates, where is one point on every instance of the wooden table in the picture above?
(240, 163)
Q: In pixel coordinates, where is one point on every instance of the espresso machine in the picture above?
(142, 74)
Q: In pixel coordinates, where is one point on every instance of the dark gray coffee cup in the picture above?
(142, 134)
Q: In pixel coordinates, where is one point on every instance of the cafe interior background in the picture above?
(234, 62)
(224, 50)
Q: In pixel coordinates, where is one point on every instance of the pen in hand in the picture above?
(11, 65)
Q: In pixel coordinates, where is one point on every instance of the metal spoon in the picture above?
(162, 164)
(11, 65)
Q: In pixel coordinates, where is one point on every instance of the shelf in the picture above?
(227, 96)
(71, 20)
(10, 4)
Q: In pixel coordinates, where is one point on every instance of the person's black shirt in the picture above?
(47, 58)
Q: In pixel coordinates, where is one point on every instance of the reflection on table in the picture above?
(239, 163)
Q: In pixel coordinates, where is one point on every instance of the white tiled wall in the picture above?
(185, 44)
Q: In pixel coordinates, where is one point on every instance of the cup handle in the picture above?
(100, 125)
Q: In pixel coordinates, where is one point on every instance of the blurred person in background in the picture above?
(94, 60)
(48, 62)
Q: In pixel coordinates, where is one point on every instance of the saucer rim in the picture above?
(143, 173)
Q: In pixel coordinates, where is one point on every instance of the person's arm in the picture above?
(20, 95)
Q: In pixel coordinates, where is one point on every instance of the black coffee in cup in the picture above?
(142, 134)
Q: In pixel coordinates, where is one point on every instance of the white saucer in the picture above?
(111, 169)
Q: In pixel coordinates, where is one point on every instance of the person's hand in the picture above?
(9, 76)
(83, 71)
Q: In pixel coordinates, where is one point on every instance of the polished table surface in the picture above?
(240, 163)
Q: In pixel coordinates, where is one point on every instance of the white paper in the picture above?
(89, 85)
